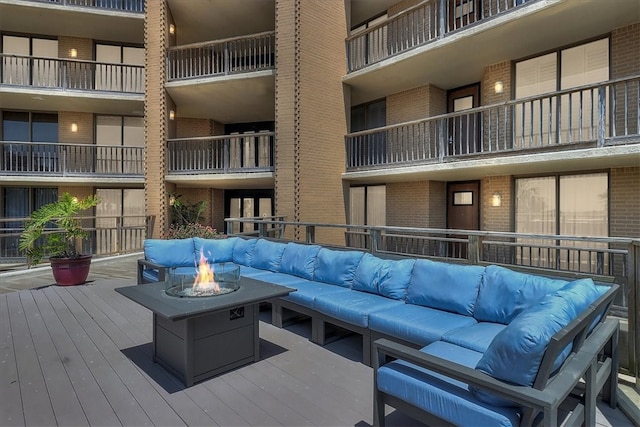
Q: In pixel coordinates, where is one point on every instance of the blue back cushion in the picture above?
(449, 287)
(170, 253)
(215, 250)
(394, 279)
(368, 274)
(516, 352)
(336, 267)
(243, 251)
(505, 293)
(299, 260)
(267, 255)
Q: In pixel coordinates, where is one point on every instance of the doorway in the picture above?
(464, 129)
(246, 204)
(463, 213)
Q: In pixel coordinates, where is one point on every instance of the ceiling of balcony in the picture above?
(461, 58)
(238, 98)
(52, 19)
(203, 20)
(232, 181)
(363, 10)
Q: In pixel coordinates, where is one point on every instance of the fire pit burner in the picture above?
(194, 292)
(208, 281)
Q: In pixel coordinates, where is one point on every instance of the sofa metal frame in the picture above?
(590, 369)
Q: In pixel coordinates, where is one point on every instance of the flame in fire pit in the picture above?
(205, 282)
(209, 281)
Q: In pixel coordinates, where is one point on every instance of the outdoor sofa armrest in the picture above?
(143, 263)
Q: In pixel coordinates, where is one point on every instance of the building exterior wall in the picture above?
(624, 187)
(496, 218)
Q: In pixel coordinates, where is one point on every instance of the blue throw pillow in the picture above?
(170, 253)
(267, 255)
(215, 250)
(243, 251)
(516, 352)
(299, 260)
(394, 279)
(368, 273)
(337, 267)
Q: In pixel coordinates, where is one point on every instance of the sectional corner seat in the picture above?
(451, 343)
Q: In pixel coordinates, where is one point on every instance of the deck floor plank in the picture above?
(94, 403)
(10, 400)
(36, 403)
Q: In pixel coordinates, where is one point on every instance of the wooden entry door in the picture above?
(464, 129)
(463, 213)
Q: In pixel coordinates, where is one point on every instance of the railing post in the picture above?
(310, 233)
(601, 115)
(633, 315)
(442, 20)
(473, 253)
(376, 239)
(442, 143)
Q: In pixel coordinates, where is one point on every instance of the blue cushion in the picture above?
(277, 278)
(307, 291)
(395, 278)
(449, 287)
(417, 324)
(440, 395)
(267, 255)
(337, 267)
(170, 253)
(299, 260)
(351, 306)
(246, 271)
(215, 250)
(243, 251)
(516, 353)
(476, 337)
(151, 275)
(504, 293)
(368, 273)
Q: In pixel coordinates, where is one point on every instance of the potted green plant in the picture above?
(54, 230)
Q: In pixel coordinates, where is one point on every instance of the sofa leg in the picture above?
(378, 408)
(276, 314)
(366, 349)
(317, 331)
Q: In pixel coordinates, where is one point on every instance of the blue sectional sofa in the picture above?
(451, 343)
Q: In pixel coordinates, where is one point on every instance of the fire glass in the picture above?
(225, 280)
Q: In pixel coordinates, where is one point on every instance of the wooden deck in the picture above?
(74, 356)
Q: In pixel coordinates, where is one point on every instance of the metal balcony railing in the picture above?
(597, 115)
(247, 152)
(425, 22)
(71, 74)
(108, 235)
(61, 159)
(120, 5)
(222, 57)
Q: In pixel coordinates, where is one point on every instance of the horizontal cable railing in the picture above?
(222, 57)
(120, 5)
(71, 74)
(592, 115)
(247, 152)
(62, 159)
(107, 235)
(420, 24)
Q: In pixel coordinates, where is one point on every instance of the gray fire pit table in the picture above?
(198, 338)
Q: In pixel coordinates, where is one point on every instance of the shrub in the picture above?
(193, 229)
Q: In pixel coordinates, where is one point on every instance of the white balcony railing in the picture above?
(120, 5)
(222, 57)
(599, 115)
(70, 74)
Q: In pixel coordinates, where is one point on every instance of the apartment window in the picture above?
(120, 142)
(19, 202)
(560, 205)
(113, 77)
(22, 133)
(371, 147)
(117, 213)
(252, 147)
(247, 204)
(29, 61)
(367, 206)
(538, 122)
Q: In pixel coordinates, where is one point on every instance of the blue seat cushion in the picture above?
(243, 251)
(299, 260)
(417, 324)
(504, 293)
(336, 267)
(170, 253)
(277, 278)
(449, 287)
(308, 290)
(250, 271)
(516, 352)
(352, 306)
(267, 255)
(476, 337)
(440, 395)
(215, 250)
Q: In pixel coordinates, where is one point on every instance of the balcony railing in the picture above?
(247, 152)
(597, 115)
(425, 22)
(71, 74)
(222, 57)
(107, 235)
(120, 5)
(61, 159)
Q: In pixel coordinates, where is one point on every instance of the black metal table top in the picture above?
(154, 297)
